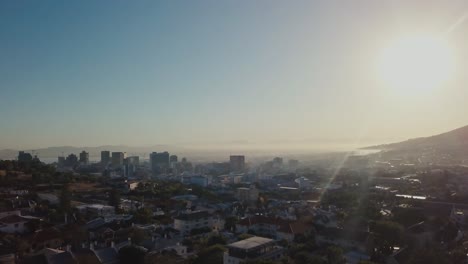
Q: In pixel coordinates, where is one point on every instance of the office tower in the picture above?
(71, 160)
(159, 161)
(105, 157)
(130, 166)
(84, 157)
(24, 157)
(237, 163)
(118, 159)
(277, 162)
(173, 159)
(61, 161)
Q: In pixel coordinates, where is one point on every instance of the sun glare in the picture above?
(417, 63)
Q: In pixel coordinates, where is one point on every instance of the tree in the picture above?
(429, 256)
(210, 255)
(114, 199)
(65, 199)
(131, 255)
(388, 234)
(215, 239)
(335, 255)
(137, 235)
(144, 215)
(230, 224)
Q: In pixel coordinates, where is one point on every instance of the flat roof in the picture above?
(251, 242)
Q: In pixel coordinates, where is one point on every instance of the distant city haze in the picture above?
(220, 75)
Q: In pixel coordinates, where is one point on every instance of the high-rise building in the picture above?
(71, 160)
(278, 162)
(173, 159)
(105, 157)
(61, 161)
(24, 157)
(84, 157)
(118, 159)
(237, 163)
(130, 166)
(159, 161)
(134, 160)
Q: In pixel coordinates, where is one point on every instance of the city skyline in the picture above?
(210, 73)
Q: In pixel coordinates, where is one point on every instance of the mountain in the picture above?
(454, 142)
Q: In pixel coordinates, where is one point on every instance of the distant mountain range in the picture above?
(454, 142)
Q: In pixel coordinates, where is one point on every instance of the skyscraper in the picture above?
(118, 159)
(237, 163)
(84, 157)
(173, 159)
(105, 157)
(130, 166)
(24, 157)
(159, 161)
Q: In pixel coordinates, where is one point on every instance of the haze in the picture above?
(207, 73)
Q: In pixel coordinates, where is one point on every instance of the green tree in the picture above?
(230, 224)
(429, 256)
(143, 216)
(388, 234)
(131, 255)
(335, 255)
(65, 199)
(210, 255)
(114, 199)
(215, 239)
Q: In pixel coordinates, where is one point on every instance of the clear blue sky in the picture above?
(88, 73)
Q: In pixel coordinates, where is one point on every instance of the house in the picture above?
(254, 248)
(273, 227)
(248, 195)
(186, 222)
(345, 238)
(14, 224)
(107, 255)
(45, 238)
(96, 209)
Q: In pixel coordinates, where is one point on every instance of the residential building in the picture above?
(84, 157)
(189, 221)
(254, 248)
(105, 157)
(273, 227)
(237, 163)
(130, 166)
(13, 224)
(118, 159)
(173, 159)
(96, 209)
(159, 162)
(249, 194)
(71, 160)
(24, 157)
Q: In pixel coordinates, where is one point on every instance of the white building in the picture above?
(247, 194)
(193, 220)
(251, 249)
(96, 209)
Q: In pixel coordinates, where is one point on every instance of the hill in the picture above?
(454, 142)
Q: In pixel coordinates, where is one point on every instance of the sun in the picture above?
(416, 63)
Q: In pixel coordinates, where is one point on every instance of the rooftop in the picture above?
(250, 243)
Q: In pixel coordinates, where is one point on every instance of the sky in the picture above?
(299, 73)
